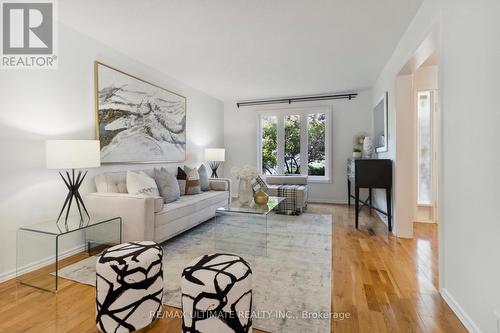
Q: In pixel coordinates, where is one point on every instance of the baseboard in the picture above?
(327, 201)
(459, 311)
(41, 263)
(425, 221)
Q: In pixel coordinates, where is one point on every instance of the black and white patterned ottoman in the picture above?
(217, 295)
(129, 286)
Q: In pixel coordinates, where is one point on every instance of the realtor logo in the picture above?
(28, 35)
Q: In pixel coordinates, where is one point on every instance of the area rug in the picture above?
(291, 282)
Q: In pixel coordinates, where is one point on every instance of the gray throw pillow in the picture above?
(204, 183)
(167, 185)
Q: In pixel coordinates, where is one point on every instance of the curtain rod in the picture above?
(291, 100)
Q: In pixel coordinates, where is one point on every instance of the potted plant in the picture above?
(356, 152)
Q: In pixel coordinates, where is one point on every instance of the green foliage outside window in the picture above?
(316, 145)
(269, 146)
(292, 145)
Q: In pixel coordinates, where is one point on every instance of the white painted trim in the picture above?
(41, 263)
(327, 201)
(425, 221)
(385, 99)
(303, 112)
(318, 180)
(460, 312)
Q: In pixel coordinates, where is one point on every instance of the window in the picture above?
(292, 145)
(269, 158)
(424, 148)
(316, 130)
(295, 142)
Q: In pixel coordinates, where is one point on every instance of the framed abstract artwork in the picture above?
(137, 121)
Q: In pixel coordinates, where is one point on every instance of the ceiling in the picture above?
(241, 49)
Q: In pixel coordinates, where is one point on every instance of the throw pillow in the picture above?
(122, 187)
(258, 184)
(193, 181)
(181, 180)
(204, 182)
(141, 183)
(167, 185)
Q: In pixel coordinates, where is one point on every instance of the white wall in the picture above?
(426, 78)
(468, 85)
(37, 105)
(421, 27)
(470, 160)
(349, 118)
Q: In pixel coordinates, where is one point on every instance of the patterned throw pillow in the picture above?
(167, 185)
(193, 181)
(141, 183)
(204, 182)
(258, 184)
(122, 187)
(181, 180)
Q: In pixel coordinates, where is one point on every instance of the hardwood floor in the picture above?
(384, 284)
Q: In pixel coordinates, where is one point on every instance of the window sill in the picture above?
(319, 180)
(310, 179)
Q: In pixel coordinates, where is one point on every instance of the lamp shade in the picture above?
(72, 154)
(215, 154)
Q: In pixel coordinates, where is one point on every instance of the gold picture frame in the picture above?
(113, 139)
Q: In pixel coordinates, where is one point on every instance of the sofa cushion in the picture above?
(141, 183)
(189, 204)
(107, 183)
(115, 182)
(122, 187)
(219, 184)
(159, 204)
(167, 185)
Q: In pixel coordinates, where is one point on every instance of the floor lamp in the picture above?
(215, 157)
(70, 155)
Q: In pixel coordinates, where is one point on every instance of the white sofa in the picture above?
(149, 218)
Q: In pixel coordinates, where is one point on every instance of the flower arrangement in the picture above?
(357, 149)
(247, 172)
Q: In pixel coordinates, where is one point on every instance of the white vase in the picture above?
(245, 193)
(368, 147)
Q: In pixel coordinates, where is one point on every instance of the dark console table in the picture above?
(370, 174)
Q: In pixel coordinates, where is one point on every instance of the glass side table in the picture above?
(242, 229)
(39, 246)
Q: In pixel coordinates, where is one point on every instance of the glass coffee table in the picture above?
(40, 247)
(242, 229)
